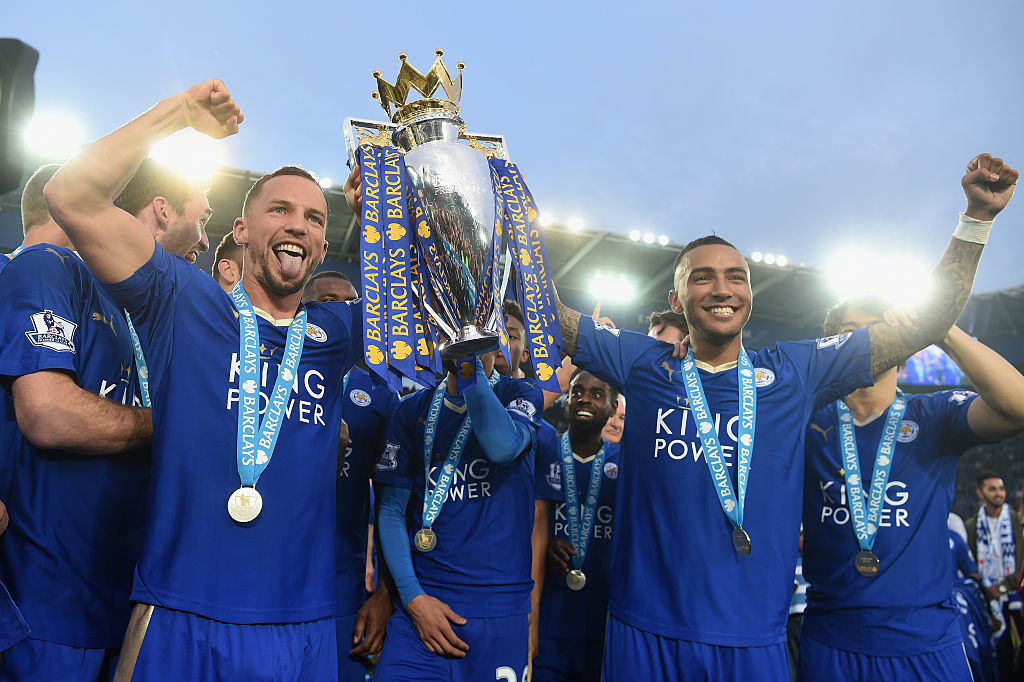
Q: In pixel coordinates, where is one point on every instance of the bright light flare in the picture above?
(899, 279)
(757, 256)
(663, 239)
(634, 235)
(190, 153)
(575, 224)
(648, 237)
(546, 219)
(612, 287)
(781, 261)
(53, 136)
(326, 183)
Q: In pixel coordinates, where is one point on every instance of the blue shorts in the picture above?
(633, 654)
(497, 651)
(821, 662)
(162, 644)
(568, 660)
(34, 659)
(349, 669)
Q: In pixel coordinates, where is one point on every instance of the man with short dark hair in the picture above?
(329, 285)
(583, 473)
(712, 601)
(234, 581)
(227, 263)
(994, 535)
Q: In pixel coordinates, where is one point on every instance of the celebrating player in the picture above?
(234, 580)
(367, 405)
(75, 384)
(879, 482)
(455, 521)
(704, 551)
(584, 473)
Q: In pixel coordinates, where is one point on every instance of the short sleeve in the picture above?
(833, 366)
(548, 472)
(40, 313)
(398, 461)
(609, 353)
(951, 408)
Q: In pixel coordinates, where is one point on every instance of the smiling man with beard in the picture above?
(703, 589)
(575, 601)
(234, 581)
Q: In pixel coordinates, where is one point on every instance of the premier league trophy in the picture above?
(440, 206)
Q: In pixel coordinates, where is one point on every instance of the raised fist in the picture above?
(209, 108)
(988, 185)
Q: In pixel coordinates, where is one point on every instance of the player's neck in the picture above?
(714, 351)
(279, 307)
(48, 234)
(584, 442)
(871, 400)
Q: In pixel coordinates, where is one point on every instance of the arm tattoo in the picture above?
(952, 280)
(570, 322)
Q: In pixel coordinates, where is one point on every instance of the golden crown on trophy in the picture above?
(409, 78)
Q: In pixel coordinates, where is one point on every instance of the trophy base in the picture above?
(469, 341)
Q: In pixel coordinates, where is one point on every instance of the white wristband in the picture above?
(972, 230)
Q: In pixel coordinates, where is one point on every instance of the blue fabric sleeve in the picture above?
(610, 354)
(394, 540)
(399, 465)
(548, 465)
(833, 366)
(40, 285)
(501, 437)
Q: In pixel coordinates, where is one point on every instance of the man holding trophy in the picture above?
(457, 473)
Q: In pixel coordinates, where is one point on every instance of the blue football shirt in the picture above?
(675, 571)
(481, 565)
(76, 521)
(566, 613)
(280, 567)
(367, 407)
(906, 609)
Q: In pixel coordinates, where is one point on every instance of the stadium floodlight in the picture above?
(52, 136)
(575, 224)
(612, 287)
(634, 235)
(663, 240)
(757, 257)
(545, 219)
(326, 183)
(781, 261)
(648, 237)
(900, 280)
(190, 153)
(769, 259)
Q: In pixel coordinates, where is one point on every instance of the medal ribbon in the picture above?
(580, 528)
(141, 368)
(537, 304)
(865, 521)
(732, 502)
(432, 502)
(256, 443)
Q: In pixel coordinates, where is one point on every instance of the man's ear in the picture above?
(238, 229)
(674, 302)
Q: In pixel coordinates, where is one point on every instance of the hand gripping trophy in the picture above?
(446, 220)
